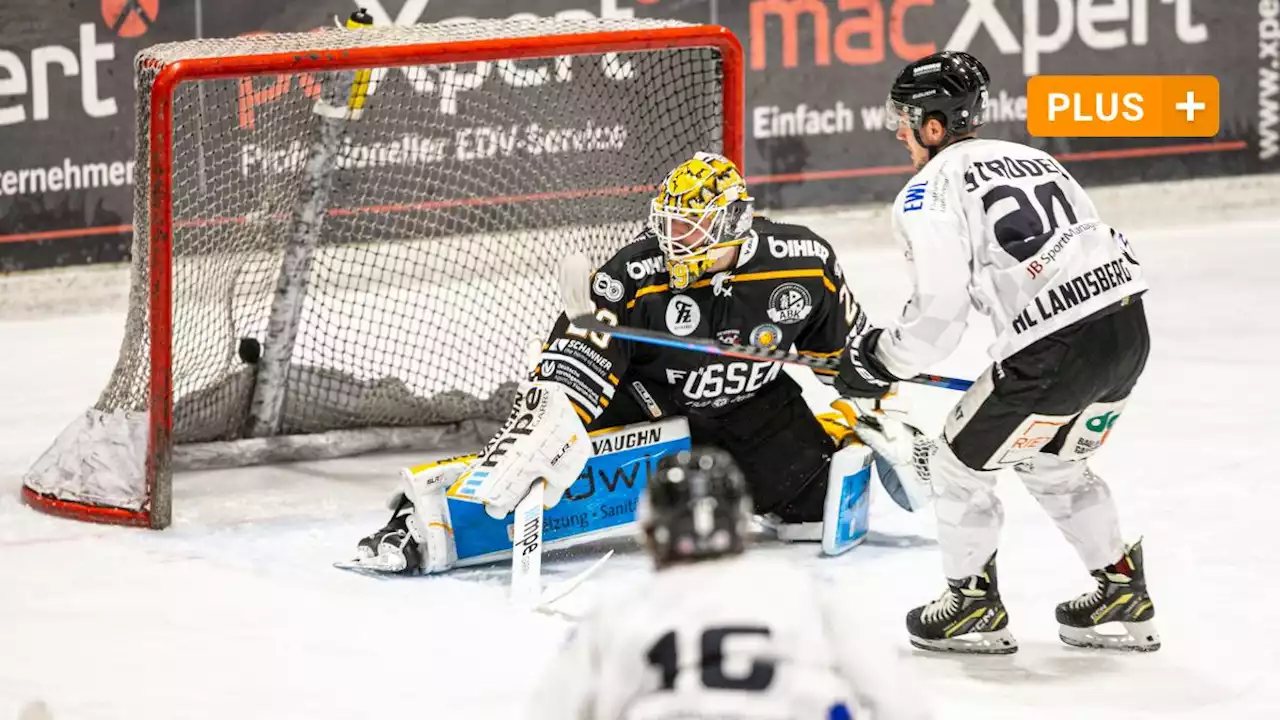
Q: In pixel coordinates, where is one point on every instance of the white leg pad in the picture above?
(845, 517)
(431, 524)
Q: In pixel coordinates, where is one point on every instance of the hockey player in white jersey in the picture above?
(1005, 228)
(715, 634)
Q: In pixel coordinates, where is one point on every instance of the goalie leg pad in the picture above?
(601, 501)
(845, 518)
(430, 523)
(419, 535)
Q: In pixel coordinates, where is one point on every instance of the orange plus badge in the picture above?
(1122, 106)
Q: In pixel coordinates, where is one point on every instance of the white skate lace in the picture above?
(944, 605)
(1089, 598)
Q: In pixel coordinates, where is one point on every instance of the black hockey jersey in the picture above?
(785, 290)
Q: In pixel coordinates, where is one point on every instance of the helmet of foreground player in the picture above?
(695, 506)
(950, 85)
(701, 211)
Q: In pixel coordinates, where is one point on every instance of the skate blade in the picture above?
(381, 565)
(996, 642)
(1128, 636)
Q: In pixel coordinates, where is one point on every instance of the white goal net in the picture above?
(347, 239)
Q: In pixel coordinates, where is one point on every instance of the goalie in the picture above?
(705, 266)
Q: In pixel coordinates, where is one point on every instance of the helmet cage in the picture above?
(689, 237)
(684, 233)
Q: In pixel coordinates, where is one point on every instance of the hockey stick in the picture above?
(575, 276)
(526, 557)
(526, 547)
(559, 591)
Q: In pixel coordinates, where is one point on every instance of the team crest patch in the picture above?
(790, 303)
(766, 336)
(683, 315)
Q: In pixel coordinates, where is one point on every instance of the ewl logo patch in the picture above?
(913, 198)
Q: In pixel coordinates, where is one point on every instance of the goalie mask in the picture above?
(701, 212)
(695, 506)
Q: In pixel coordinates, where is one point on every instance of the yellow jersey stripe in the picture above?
(815, 353)
(777, 275)
(745, 277)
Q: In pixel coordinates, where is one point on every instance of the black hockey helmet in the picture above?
(695, 506)
(949, 85)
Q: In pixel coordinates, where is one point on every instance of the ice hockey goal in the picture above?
(347, 239)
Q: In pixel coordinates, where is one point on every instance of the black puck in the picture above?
(250, 350)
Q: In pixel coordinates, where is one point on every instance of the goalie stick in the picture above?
(526, 557)
(575, 291)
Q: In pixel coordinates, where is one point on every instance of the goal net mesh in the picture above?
(452, 199)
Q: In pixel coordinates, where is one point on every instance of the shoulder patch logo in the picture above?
(683, 315)
(766, 336)
(606, 286)
(790, 303)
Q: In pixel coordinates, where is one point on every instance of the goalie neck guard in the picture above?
(695, 507)
(701, 211)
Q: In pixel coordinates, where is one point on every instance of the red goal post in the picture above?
(92, 471)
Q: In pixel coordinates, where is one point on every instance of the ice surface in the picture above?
(235, 611)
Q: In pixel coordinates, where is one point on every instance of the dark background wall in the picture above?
(818, 72)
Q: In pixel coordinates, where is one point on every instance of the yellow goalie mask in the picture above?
(701, 212)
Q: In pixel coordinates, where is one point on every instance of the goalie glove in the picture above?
(901, 451)
(542, 438)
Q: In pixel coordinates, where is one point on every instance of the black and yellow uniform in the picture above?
(785, 289)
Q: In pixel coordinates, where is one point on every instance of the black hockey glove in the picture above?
(861, 374)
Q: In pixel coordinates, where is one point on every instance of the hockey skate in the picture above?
(391, 550)
(1118, 614)
(968, 618)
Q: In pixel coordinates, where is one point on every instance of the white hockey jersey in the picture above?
(1002, 227)
(728, 638)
